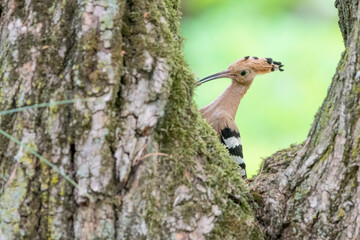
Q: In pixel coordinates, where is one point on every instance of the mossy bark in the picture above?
(154, 168)
(311, 190)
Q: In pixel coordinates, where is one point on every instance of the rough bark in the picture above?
(311, 190)
(154, 168)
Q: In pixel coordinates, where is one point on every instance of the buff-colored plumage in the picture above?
(220, 113)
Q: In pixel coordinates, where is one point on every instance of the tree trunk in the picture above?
(311, 191)
(153, 168)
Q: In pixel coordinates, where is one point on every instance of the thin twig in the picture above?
(49, 104)
(44, 160)
(47, 162)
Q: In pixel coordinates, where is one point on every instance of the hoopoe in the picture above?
(221, 112)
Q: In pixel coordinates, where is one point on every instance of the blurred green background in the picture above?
(279, 108)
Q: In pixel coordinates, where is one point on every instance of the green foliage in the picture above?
(279, 107)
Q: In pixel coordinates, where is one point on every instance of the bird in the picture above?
(220, 113)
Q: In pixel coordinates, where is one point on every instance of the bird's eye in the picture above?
(243, 73)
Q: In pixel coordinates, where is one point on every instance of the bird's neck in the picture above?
(230, 99)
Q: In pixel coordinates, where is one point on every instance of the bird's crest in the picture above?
(259, 65)
(245, 69)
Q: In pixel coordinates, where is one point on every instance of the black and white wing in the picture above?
(230, 137)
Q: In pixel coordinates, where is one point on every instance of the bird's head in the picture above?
(245, 69)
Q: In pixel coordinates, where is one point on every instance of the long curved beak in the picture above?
(223, 74)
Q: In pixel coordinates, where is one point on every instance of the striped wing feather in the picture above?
(230, 137)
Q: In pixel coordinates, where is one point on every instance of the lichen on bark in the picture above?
(315, 194)
(153, 166)
(175, 196)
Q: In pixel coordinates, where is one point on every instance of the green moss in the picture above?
(185, 137)
(341, 213)
(45, 181)
(257, 199)
(329, 150)
(284, 156)
(300, 192)
(86, 64)
(54, 179)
